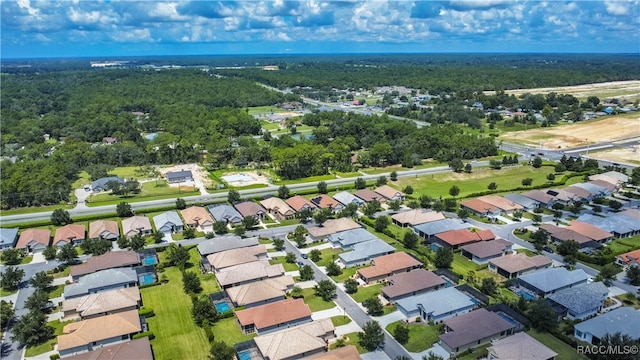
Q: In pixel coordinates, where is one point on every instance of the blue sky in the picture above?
(37, 28)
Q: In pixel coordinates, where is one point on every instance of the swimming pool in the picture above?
(146, 279)
(244, 355)
(526, 295)
(508, 318)
(149, 260)
(434, 247)
(222, 307)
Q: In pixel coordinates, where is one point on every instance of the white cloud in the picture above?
(617, 7)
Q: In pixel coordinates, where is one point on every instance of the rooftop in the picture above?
(237, 256)
(388, 192)
(346, 197)
(520, 262)
(277, 204)
(438, 226)
(480, 206)
(612, 322)
(349, 352)
(298, 202)
(101, 227)
(249, 271)
(103, 302)
(167, 217)
(225, 212)
(112, 259)
(196, 214)
(249, 208)
(41, 236)
(69, 232)
(470, 327)
(520, 346)
(407, 282)
(464, 236)
(487, 248)
(333, 226)
(386, 264)
(100, 279)
(366, 250)
(417, 217)
(8, 236)
(139, 349)
(580, 299)
(554, 278)
(260, 290)
(308, 337)
(325, 202)
(85, 332)
(539, 196)
(272, 314)
(439, 302)
(501, 203)
(225, 242)
(368, 195)
(589, 230)
(136, 223)
(350, 237)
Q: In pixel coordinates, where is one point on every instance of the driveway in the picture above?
(390, 318)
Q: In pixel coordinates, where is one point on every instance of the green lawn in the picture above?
(620, 246)
(346, 274)
(479, 352)
(421, 335)
(564, 350)
(150, 191)
(307, 179)
(47, 346)
(287, 266)
(340, 320)
(228, 330)
(267, 109)
(180, 236)
(4, 292)
(367, 292)
(327, 256)
(389, 308)
(348, 174)
(315, 302)
(177, 336)
(526, 251)
(350, 339)
(462, 265)
(63, 273)
(35, 209)
(207, 280)
(56, 291)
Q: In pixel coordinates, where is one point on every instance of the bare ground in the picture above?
(620, 89)
(200, 175)
(628, 155)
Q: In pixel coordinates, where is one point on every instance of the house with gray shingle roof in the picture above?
(594, 189)
(8, 238)
(428, 230)
(101, 281)
(525, 202)
(436, 305)
(618, 224)
(548, 281)
(580, 302)
(101, 184)
(519, 346)
(225, 213)
(224, 243)
(168, 222)
(363, 252)
(346, 198)
(622, 320)
(346, 239)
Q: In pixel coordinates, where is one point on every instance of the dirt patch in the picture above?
(200, 175)
(248, 178)
(618, 89)
(628, 155)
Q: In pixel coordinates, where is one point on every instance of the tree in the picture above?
(283, 192)
(321, 215)
(41, 280)
(536, 218)
(382, 180)
(67, 254)
(191, 283)
(393, 176)
(350, 210)
(539, 239)
(137, 242)
(6, 313)
(575, 207)
(381, 223)
(177, 255)
(333, 269)
(408, 190)
(456, 165)
(432, 356)
(278, 244)
(220, 227)
(315, 255)
(322, 187)
(11, 256)
(96, 247)
(394, 205)
(527, 181)
(607, 274)
(401, 334)
(203, 310)
(620, 342)
(50, 253)
(221, 351)
(306, 273)
(536, 162)
(410, 239)
(551, 176)
(60, 217)
(37, 301)
(11, 278)
(350, 286)
(123, 209)
(360, 183)
(124, 243)
(468, 168)
(158, 237)
(492, 186)
(374, 306)
(372, 336)
(444, 258)
(568, 248)
(488, 286)
(463, 213)
(454, 191)
(372, 207)
(543, 317)
(304, 214)
(290, 258)
(615, 205)
(296, 292)
(250, 222)
(233, 196)
(633, 274)
(181, 204)
(326, 289)
(239, 230)
(32, 329)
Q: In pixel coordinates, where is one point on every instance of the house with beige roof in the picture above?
(519, 346)
(225, 259)
(506, 206)
(87, 335)
(390, 193)
(368, 196)
(416, 217)
(104, 229)
(34, 240)
(310, 338)
(249, 208)
(138, 349)
(388, 265)
(275, 316)
(481, 208)
(512, 266)
(260, 292)
(278, 208)
(542, 198)
(198, 218)
(483, 251)
(69, 234)
(247, 273)
(100, 304)
(331, 227)
(561, 234)
(298, 203)
(411, 283)
(110, 260)
(136, 225)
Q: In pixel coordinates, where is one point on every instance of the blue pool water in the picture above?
(526, 295)
(147, 279)
(508, 319)
(447, 283)
(244, 355)
(222, 307)
(149, 260)
(434, 247)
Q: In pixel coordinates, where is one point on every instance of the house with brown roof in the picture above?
(136, 225)
(453, 239)
(138, 349)
(387, 265)
(34, 240)
(87, 335)
(580, 193)
(368, 196)
(631, 258)
(69, 234)
(482, 252)
(349, 352)
(198, 217)
(506, 206)
(390, 193)
(605, 184)
(542, 198)
(278, 208)
(416, 217)
(561, 234)
(249, 208)
(331, 227)
(512, 266)
(323, 201)
(473, 329)
(593, 232)
(298, 203)
(110, 260)
(260, 292)
(519, 346)
(271, 317)
(247, 273)
(225, 259)
(104, 229)
(481, 208)
(310, 338)
(100, 304)
(411, 283)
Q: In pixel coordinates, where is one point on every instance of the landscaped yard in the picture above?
(47, 346)
(287, 266)
(150, 191)
(462, 265)
(564, 350)
(421, 335)
(366, 292)
(56, 291)
(479, 352)
(350, 339)
(346, 273)
(315, 302)
(327, 256)
(207, 280)
(228, 330)
(340, 320)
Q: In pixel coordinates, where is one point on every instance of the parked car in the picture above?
(304, 256)
(548, 249)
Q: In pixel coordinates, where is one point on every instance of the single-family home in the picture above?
(69, 234)
(544, 282)
(580, 193)
(278, 208)
(99, 281)
(430, 229)
(249, 208)
(198, 217)
(136, 225)
(100, 304)
(87, 335)
(631, 258)
(519, 346)
(613, 177)
(480, 208)
(542, 198)
(168, 222)
(345, 197)
(436, 305)
(390, 193)
(387, 265)
(562, 196)
(248, 272)
(8, 238)
(331, 227)
(619, 224)
(260, 292)
(593, 232)
(323, 201)
(527, 204)
(310, 338)
(174, 177)
(515, 265)
(224, 243)
(104, 229)
(610, 188)
(34, 240)
(580, 302)
(453, 239)
(298, 203)
(110, 260)
(349, 352)
(561, 234)
(225, 259)
(346, 239)
(619, 320)
(101, 184)
(138, 349)
(225, 213)
(506, 206)
(416, 217)
(364, 252)
(473, 329)
(274, 316)
(411, 283)
(482, 252)
(368, 196)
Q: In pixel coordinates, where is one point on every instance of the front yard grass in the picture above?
(47, 346)
(315, 302)
(367, 292)
(340, 320)
(327, 256)
(287, 266)
(564, 350)
(350, 339)
(421, 336)
(56, 291)
(346, 274)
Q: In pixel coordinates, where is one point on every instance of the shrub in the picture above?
(143, 334)
(54, 356)
(146, 312)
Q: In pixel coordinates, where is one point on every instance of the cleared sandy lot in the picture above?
(200, 175)
(619, 89)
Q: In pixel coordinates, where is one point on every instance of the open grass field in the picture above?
(315, 302)
(35, 209)
(421, 335)
(228, 330)
(151, 190)
(47, 346)
(564, 350)
(267, 109)
(462, 265)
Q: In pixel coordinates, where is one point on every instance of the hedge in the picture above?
(146, 312)
(143, 334)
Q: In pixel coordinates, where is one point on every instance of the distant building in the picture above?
(179, 176)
